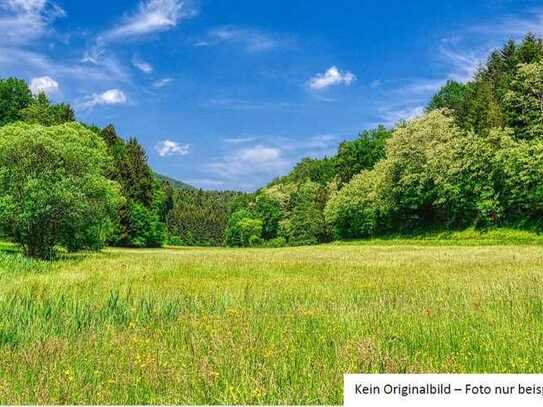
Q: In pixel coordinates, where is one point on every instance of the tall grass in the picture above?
(258, 326)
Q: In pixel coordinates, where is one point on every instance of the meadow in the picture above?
(263, 326)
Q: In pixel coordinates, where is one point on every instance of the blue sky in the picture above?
(229, 94)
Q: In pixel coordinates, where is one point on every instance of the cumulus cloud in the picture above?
(143, 66)
(152, 16)
(43, 84)
(251, 161)
(260, 154)
(109, 97)
(168, 148)
(332, 77)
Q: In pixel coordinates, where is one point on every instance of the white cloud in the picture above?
(161, 83)
(463, 64)
(332, 77)
(250, 162)
(28, 63)
(109, 97)
(239, 140)
(250, 166)
(260, 154)
(513, 25)
(152, 16)
(250, 39)
(143, 66)
(168, 148)
(22, 21)
(44, 84)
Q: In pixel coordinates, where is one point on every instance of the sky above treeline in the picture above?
(229, 94)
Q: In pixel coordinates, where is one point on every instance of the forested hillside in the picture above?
(474, 159)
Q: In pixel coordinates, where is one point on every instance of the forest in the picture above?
(473, 159)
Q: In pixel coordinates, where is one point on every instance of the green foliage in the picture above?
(52, 188)
(451, 96)
(243, 229)
(522, 168)
(250, 231)
(361, 154)
(174, 240)
(409, 188)
(198, 218)
(137, 177)
(109, 134)
(436, 174)
(320, 171)
(524, 102)
(41, 111)
(276, 243)
(14, 96)
(141, 220)
(144, 227)
(500, 93)
(268, 209)
(358, 210)
(306, 223)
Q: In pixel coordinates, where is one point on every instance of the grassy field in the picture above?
(253, 326)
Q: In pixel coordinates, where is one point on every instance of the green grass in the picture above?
(466, 237)
(262, 326)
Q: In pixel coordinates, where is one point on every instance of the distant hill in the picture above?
(177, 183)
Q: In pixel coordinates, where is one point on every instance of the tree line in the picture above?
(69, 185)
(474, 158)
